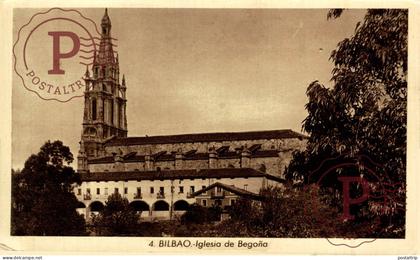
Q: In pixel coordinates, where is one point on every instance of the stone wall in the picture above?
(274, 165)
(204, 147)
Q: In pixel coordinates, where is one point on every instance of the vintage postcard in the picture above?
(209, 128)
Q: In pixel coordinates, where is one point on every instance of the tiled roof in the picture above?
(175, 174)
(230, 188)
(206, 137)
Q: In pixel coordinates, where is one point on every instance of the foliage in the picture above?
(282, 213)
(117, 217)
(293, 213)
(42, 199)
(197, 214)
(365, 112)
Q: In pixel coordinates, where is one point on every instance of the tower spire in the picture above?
(105, 100)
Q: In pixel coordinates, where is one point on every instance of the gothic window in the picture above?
(94, 109)
(118, 115)
(112, 112)
(121, 116)
(103, 87)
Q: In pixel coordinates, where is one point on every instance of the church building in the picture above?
(162, 175)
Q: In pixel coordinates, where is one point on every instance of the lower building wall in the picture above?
(87, 192)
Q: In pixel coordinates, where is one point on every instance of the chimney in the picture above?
(213, 158)
(179, 159)
(118, 162)
(245, 157)
(148, 162)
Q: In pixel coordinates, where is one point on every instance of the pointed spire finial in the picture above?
(87, 74)
(106, 22)
(123, 80)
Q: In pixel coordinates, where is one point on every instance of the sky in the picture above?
(196, 71)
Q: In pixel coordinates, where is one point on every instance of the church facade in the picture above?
(162, 175)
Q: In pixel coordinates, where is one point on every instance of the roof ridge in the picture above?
(207, 137)
(210, 133)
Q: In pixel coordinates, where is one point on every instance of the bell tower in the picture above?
(105, 100)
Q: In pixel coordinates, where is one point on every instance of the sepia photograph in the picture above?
(209, 122)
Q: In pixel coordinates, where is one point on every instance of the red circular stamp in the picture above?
(52, 51)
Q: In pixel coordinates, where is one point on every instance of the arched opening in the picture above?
(181, 205)
(94, 109)
(160, 205)
(139, 205)
(80, 205)
(112, 112)
(96, 206)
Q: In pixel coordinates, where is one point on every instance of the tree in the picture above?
(117, 217)
(285, 212)
(197, 214)
(43, 202)
(365, 112)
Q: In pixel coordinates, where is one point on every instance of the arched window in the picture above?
(120, 113)
(112, 112)
(103, 109)
(94, 109)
